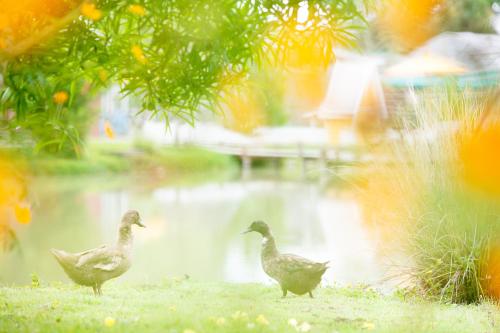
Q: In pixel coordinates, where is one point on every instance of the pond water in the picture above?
(195, 228)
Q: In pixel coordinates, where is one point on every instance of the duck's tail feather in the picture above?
(64, 258)
(325, 264)
(323, 267)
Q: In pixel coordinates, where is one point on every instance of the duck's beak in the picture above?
(140, 224)
(247, 231)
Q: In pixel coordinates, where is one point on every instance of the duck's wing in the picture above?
(85, 256)
(293, 263)
(110, 263)
(104, 258)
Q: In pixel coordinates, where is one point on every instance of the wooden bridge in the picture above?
(324, 155)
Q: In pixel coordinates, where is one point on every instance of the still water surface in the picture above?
(195, 229)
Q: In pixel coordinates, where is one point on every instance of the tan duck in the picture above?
(295, 274)
(94, 267)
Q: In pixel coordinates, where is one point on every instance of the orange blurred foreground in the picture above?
(14, 204)
(24, 23)
(243, 102)
(491, 282)
(480, 158)
(13, 190)
(304, 52)
(409, 23)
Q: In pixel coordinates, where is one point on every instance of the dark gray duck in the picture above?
(94, 267)
(294, 273)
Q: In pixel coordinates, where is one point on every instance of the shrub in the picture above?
(446, 224)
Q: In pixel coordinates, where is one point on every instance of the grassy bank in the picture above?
(139, 157)
(189, 306)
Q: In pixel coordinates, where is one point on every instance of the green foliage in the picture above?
(270, 83)
(467, 15)
(175, 58)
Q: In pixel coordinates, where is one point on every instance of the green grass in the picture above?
(181, 305)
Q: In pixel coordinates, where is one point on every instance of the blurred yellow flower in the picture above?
(409, 23)
(12, 186)
(304, 53)
(172, 308)
(262, 320)
(60, 97)
(300, 46)
(137, 10)
(108, 130)
(13, 190)
(55, 304)
(480, 159)
(293, 322)
(109, 322)
(239, 315)
(103, 75)
(221, 321)
(368, 326)
(189, 331)
(138, 54)
(90, 11)
(243, 105)
(22, 213)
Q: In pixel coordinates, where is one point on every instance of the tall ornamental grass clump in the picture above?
(447, 223)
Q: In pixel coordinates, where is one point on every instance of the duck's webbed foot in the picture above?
(311, 294)
(95, 290)
(284, 292)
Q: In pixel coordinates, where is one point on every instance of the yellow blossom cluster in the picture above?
(108, 130)
(138, 54)
(60, 97)
(137, 10)
(89, 10)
